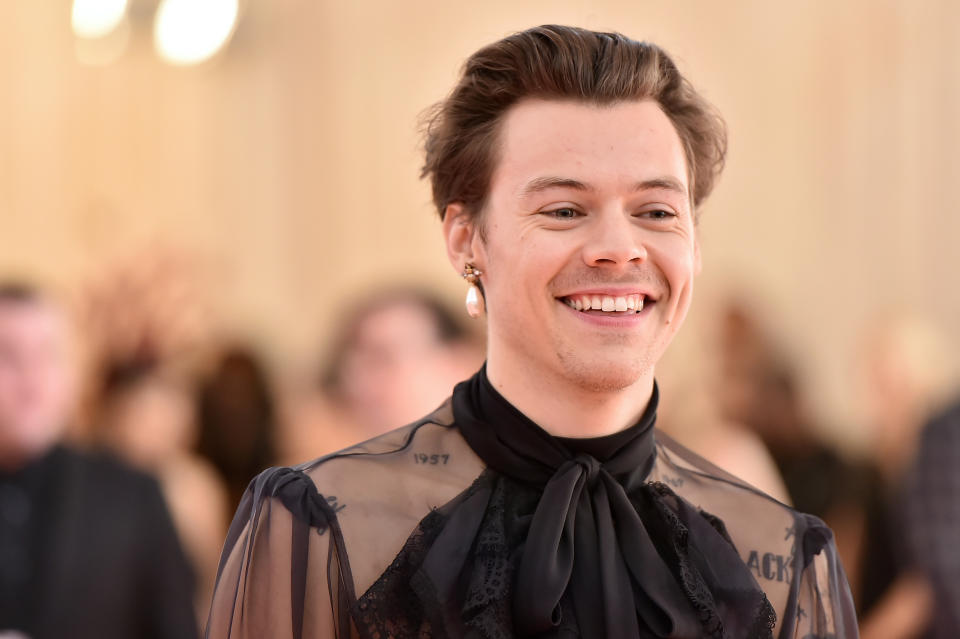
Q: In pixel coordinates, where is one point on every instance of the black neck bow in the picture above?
(563, 540)
(635, 559)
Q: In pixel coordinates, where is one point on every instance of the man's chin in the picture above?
(603, 376)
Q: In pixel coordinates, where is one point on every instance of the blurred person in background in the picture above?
(396, 356)
(933, 525)
(238, 419)
(904, 377)
(567, 168)
(698, 424)
(87, 546)
(755, 385)
(147, 418)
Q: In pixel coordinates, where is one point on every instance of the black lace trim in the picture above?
(391, 608)
(678, 559)
(764, 619)
(486, 609)
(690, 578)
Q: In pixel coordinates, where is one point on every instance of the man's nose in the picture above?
(614, 240)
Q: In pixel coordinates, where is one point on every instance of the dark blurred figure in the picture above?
(757, 387)
(87, 547)
(933, 501)
(237, 417)
(904, 374)
(395, 358)
(147, 417)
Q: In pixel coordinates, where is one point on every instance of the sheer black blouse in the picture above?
(475, 522)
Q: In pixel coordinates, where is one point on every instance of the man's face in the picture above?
(587, 205)
(34, 378)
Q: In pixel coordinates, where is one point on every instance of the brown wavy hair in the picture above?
(559, 63)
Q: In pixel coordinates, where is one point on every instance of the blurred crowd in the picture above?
(128, 436)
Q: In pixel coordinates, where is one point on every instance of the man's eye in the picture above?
(565, 213)
(659, 214)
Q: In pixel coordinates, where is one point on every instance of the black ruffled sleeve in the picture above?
(283, 571)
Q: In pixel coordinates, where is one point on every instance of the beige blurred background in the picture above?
(282, 175)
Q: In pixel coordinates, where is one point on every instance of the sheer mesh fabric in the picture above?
(337, 547)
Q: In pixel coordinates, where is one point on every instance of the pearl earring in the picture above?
(474, 302)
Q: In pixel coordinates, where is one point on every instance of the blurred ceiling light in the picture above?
(191, 31)
(94, 19)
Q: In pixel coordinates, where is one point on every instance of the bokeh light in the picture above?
(96, 18)
(191, 31)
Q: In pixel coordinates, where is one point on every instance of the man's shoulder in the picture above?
(747, 511)
(396, 464)
(680, 464)
(776, 543)
(433, 428)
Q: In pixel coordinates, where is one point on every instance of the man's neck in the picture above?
(565, 409)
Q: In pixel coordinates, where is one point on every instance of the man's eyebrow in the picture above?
(550, 182)
(539, 184)
(667, 182)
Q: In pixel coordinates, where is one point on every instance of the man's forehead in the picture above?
(545, 143)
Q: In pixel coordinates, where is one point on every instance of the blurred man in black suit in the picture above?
(87, 547)
(933, 501)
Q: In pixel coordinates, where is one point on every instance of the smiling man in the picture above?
(568, 167)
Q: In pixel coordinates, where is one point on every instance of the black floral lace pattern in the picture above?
(486, 607)
(691, 577)
(393, 607)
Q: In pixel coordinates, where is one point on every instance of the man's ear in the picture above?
(461, 234)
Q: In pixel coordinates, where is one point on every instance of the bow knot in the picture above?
(589, 466)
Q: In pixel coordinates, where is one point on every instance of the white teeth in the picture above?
(606, 303)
